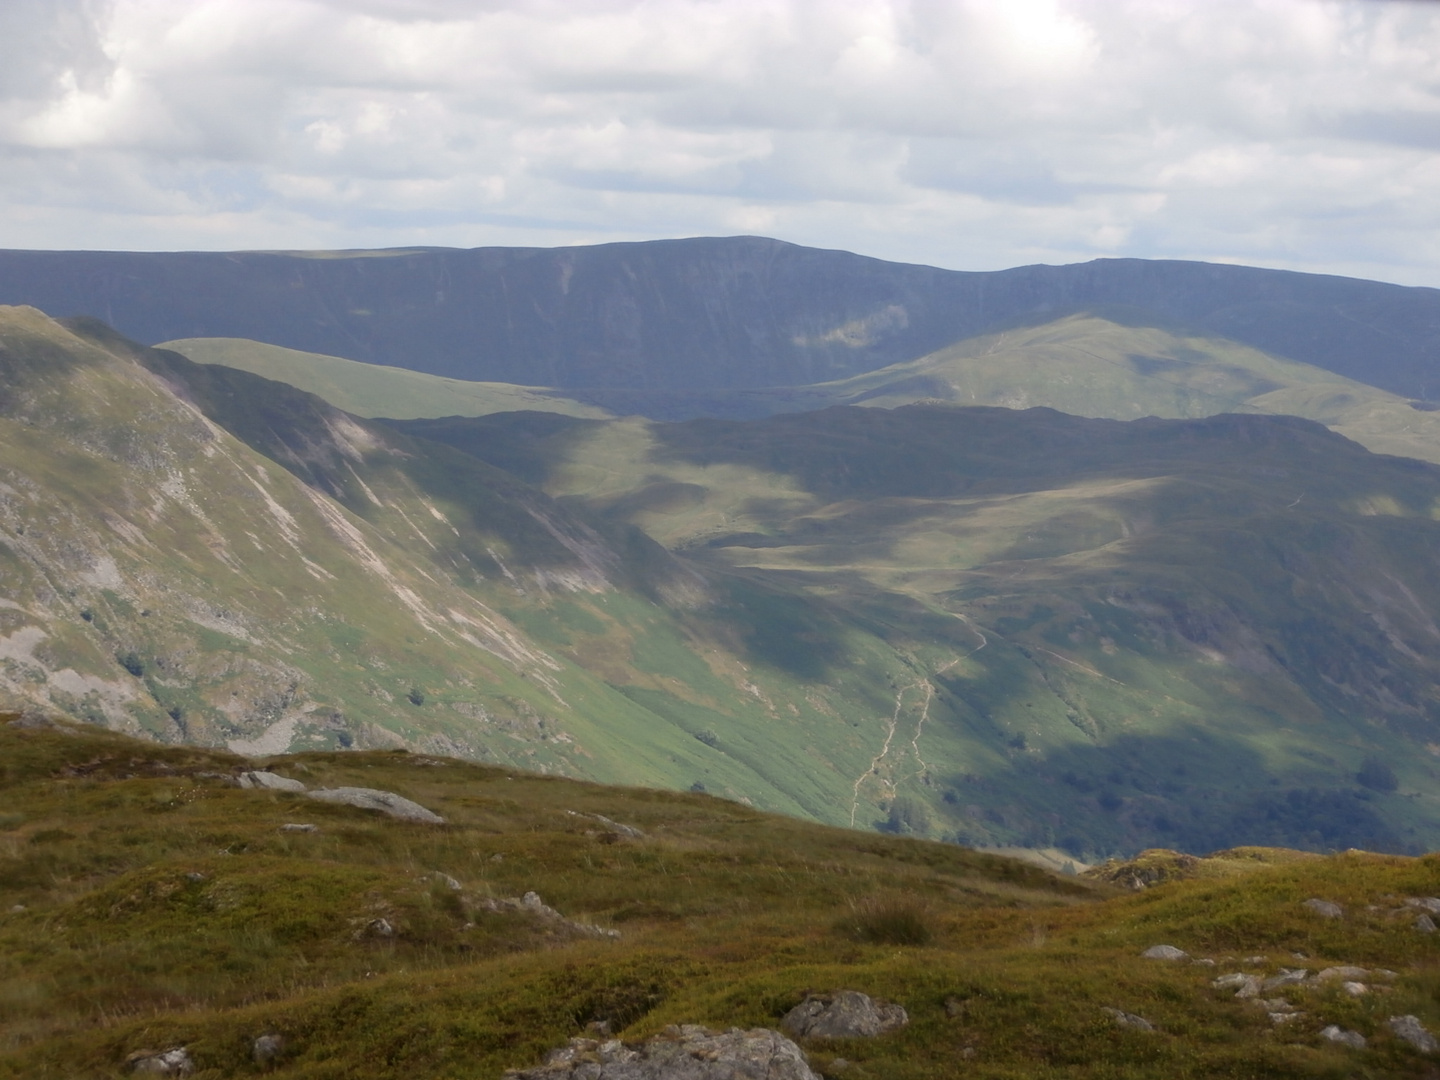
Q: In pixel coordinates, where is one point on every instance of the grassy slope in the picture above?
(1118, 635)
(1088, 365)
(149, 904)
(374, 389)
(384, 565)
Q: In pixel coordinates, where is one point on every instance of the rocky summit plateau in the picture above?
(651, 660)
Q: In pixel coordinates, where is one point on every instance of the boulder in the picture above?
(267, 1048)
(1287, 977)
(1413, 1032)
(1355, 989)
(848, 1014)
(1428, 903)
(173, 1062)
(1425, 924)
(1326, 909)
(387, 802)
(1128, 1020)
(1245, 986)
(688, 1052)
(1352, 1039)
(260, 778)
(294, 826)
(1165, 952)
(1344, 971)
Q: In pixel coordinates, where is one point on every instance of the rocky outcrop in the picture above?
(1413, 1032)
(387, 802)
(687, 1052)
(531, 904)
(173, 1062)
(848, 1014)
(261, 778)
(1335, 1034)
(1165, 952)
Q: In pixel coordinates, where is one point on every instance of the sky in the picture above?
(970, 134)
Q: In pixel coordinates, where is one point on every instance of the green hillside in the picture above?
(374, 389)
(1089, 365)
(151, 904)
(1188, 633)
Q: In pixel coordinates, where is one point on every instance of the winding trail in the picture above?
(888, 784)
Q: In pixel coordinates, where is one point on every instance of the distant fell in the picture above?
(705, 313)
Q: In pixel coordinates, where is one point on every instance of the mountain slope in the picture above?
(374, 389)
(705, 313)
(1189, 633)
(204, 555)
(1092, 366)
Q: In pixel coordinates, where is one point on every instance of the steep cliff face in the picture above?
(703, 314)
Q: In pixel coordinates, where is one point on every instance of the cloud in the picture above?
(966, 133)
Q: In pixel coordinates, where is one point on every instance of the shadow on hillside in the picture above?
(1196, 792)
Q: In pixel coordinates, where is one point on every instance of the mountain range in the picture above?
(1079, 559)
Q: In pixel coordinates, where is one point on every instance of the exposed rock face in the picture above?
(846, 1015)
(688, 1052)
(173, 1062)
(1413, 1032)
(385, 801)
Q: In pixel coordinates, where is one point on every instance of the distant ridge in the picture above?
(706, 313)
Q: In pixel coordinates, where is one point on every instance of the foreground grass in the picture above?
(147, 904)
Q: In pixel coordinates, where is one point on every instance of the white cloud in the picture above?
(967, 133)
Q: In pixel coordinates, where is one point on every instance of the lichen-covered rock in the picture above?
(1413, 1032)
(688, 1052)
(1165, 952)
(388, 802)
(846, 1015)
(173, 1062)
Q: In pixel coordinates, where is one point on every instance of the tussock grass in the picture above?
(164, 907)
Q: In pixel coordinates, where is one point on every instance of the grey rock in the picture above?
(531, 904)
(1413, 1032)
(387, 802)
(1252, 960)
(614, 826)
(378, 928)
(1285, 1017)
(1352, 1039)
(1425, 924)
(1429, 903)
(1128, 1020)
(173, 1062)
(1324, 908)
(260, 778)
(444, 879)
(1203, 962)
(688, 1052)
(1343, 971)
(1165, 952)
(1355, 989)
(848, 1014)
(292, 826)
(1233, 981)
(267, 1048)
(1287, 977)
